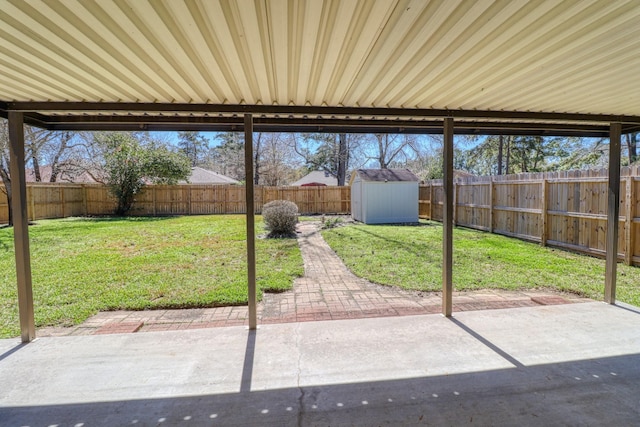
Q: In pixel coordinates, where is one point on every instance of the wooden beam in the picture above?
(251, 233)
(21, 226)
(447, 220)
(613, 212)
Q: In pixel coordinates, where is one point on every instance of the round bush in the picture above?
(280, 218)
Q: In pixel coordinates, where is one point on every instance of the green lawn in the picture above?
(81, 266)
(411, 257)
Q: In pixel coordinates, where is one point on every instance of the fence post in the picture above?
(491, 203)
(629, 237)
(189, 200)
(153, 199)
(62, 201)
(431, 200)
(85, 209)
(543, 213)
(455, 203)
(32, 201)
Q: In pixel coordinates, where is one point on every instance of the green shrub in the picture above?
(280, 218)
(330, 223)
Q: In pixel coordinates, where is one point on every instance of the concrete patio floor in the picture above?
(575, 364)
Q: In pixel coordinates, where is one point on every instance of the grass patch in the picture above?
(411, 257)
(81, 266)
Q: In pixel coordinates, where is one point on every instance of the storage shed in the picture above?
(384, 196)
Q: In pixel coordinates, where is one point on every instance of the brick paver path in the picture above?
(327, 291)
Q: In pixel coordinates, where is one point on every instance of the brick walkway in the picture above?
(327, 291)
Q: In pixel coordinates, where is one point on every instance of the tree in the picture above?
(35, 141)
(194, 146)
(275, 162)
(631, 140)
(522, 154)
(393, 148)
(343, 158)
(228, 157)
(331, 153)
(129, 163)
(4, 165)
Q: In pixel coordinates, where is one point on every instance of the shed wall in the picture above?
(389, 202)
(356, 199)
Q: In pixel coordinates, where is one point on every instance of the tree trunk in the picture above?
(632, 147)
(256, 160)
(382, 152)
(506, 169)
(500, 144)
(342, 158)
(36, 168)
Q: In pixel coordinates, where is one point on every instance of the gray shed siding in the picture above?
(379, 202)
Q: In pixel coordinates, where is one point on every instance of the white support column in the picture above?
(251, 234)
(447, 220)
(613, 213)
(21, 226)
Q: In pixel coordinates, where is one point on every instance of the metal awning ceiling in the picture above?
(574, 61)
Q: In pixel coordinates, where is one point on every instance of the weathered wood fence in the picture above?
(60, 200)
(562, 209)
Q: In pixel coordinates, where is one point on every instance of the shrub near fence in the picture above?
(60, 200)
(561, 209)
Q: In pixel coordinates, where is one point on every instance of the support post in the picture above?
(431, 196)
(447, 220)
(613, 212)
(251, 234)
(21, 226)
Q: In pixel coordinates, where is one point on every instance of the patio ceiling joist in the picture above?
(79, 116)
(305, 124)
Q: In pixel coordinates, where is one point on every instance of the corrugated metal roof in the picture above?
(387, 175)
(577, 56)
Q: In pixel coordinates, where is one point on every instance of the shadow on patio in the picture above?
(575, 364)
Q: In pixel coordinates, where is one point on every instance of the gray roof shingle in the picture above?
(386, 175)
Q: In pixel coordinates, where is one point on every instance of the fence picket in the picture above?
(560, 209)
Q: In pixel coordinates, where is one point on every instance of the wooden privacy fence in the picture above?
(60, 200)
(562, 209)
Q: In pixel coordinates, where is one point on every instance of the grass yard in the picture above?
(411, 257)
(81, 266)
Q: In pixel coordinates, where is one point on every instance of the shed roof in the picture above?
(322, 65)
(387, 175)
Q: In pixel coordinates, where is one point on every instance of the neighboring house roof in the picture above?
(204, 176)
(462, 174)
(65, 175)
(386, 175)
(317, 178)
